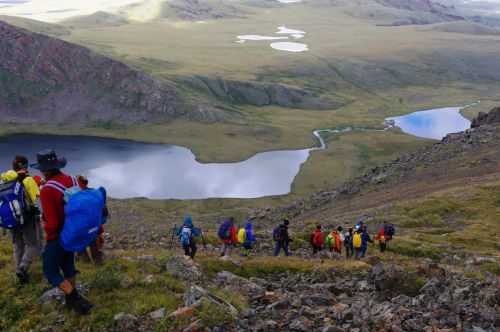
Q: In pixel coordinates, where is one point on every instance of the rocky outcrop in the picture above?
(200, 10)
(491, 118)
(260, 94)
(46, 80)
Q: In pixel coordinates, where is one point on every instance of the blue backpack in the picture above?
(185, 237)
(12, 204)
(83, 215)
(223, 232)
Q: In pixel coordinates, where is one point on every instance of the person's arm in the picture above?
(49, 203)
(31, 189)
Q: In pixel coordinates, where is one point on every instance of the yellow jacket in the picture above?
(30, 186)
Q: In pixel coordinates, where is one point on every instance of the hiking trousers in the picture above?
(349, 251)
(226, 249)
(279, 246)
(317, 249)
(26, 242)
(58, 264)
(358, 253)
(190, 249)
(383, 246)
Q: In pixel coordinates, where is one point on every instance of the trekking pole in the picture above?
(172, 237)
(203, 241)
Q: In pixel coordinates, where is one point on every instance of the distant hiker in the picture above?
(384, 235)
(334, 240)
(317, 240)
(349, 249)
(58, 263)
(96, 246)
(356, 243)
(246, 238)
(187, 236)
(18, 200)
(227, 233)
(282, 238)
(365, 239)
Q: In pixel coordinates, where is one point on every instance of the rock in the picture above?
(195, 326)
(52, 295)
(239, 285)
(193, 295)
(184, 268)
(317, 300)
(158, 314)
(271, 325)
(486, 118)
(302, 324)
(125, 321)
(391, 280)
(331, 328)
(182, 313)
(280, 305)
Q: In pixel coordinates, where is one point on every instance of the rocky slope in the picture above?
(46, 80)
(456, 159)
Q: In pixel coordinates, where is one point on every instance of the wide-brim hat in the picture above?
(47, 160)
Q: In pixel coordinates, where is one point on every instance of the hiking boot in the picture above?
(77, 303)
(22, 276)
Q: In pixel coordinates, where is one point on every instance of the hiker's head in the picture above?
(48, 163)
(83, 181)
(286, 222)
(231, 220)
(188, 221)
(340, 229)
(20, 163)
(318, 227)
(350, 230)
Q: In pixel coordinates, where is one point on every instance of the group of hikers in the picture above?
(355, 240)
(70, 214)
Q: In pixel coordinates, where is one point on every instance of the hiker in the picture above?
(356, 243)
(384, 235)
(334, 240)
(282, 238)
(187, 236)
(317, 240)
(58, 263)
(365, 239)
(25, 237)
(349, 249)
(246, 238)
(227, 233)
(96, 247)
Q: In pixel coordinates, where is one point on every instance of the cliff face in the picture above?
(46, 80)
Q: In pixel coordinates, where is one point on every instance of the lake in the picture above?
(130, 169)
(433, 124)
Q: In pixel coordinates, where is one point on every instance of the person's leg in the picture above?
(277, 248)
(31, 244)
(96, 253)
(18, 247)
(186, 250)
(194, 248)
(285, 248)
(51, 262)
(383, 246)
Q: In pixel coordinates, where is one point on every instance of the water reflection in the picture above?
(433, 124)
(129, 169)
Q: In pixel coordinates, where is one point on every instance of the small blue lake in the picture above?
(432, 124)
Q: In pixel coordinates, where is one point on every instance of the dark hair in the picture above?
(286, 221)
(19, 163)
(318, 226)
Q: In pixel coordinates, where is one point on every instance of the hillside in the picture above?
(440, 273)
(46, 80)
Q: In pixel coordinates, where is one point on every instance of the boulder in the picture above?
(391, 280)
(184, 268)
(158, 314)
(239, 285)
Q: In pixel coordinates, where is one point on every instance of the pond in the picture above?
(433, 124)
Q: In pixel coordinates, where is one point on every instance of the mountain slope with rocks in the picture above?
(46, 80)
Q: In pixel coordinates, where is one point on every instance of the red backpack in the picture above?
(317, 238)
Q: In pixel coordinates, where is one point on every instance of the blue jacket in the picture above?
(188, 222)
(249, 237)
(365, 238)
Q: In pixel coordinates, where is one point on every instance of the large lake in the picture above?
(130, 169)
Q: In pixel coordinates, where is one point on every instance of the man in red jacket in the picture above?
(58, 264)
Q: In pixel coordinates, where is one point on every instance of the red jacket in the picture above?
(52, 203)
(233, 236)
